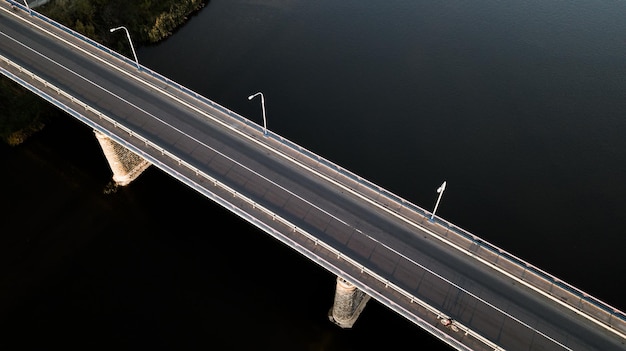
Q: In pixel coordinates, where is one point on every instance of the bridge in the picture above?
(463, 290)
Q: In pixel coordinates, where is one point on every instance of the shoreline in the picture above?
(32, 112)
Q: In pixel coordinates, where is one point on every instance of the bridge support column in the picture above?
(348, 305)
(125, 164)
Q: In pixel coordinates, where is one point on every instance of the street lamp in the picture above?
(263, 108)
(130, 41)
(30, 12)
(440, 191)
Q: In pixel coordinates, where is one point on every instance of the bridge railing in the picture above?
(484, 250)
(539, 279)
(56, 101)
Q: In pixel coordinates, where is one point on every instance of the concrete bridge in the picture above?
(463, 290)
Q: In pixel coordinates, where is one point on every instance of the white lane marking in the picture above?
(176, 129)
(417, 226)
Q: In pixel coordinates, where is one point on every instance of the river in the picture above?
(518, 105)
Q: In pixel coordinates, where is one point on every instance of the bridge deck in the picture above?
(383, 244)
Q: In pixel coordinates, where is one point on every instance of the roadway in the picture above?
(314, 204)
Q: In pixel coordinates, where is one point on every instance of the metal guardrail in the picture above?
(488, 252)
(234, 194)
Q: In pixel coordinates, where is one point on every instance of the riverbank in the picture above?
(148, 21)
(22, 113)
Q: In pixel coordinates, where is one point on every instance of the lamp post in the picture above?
(440, 191)
(130, 41)
(30, 12)
(263, 108)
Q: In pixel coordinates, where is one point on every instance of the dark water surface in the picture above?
(518, 105)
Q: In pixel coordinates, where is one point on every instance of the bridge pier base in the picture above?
(348, 305)
(125, 164)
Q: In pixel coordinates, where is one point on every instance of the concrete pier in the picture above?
(348, 305)
(125, 164)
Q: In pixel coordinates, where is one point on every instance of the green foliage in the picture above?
(21, 113)
(149, 21)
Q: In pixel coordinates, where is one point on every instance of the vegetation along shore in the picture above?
(149, 21)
